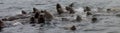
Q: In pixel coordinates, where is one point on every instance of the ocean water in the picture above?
(107, 22)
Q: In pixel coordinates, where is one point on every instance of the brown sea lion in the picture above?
(1, 25)
(108, 10)
(41, 19)
(94, 19)
(32, 20)
(88, 13)
(87, 9)
(78, 18)
(73, 28)
(48, 15)
(23, 12)
(59, 8)
(71, 5)
(70, 9)
(35, 10)
(36, 15)
(10, 18)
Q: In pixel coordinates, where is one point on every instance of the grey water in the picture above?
(106, 24)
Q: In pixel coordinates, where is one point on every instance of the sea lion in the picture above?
(32, 20)
(23, 12)
(78, 18)
(1, 25)
(41, 19)
(87, 9)
(36, 15)
(70, 9)
(88, 13)
(59, 8)
(10, 18)
(94, 19)
(35, 10)
(71, 5)
(73, 28)
(48, 15)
